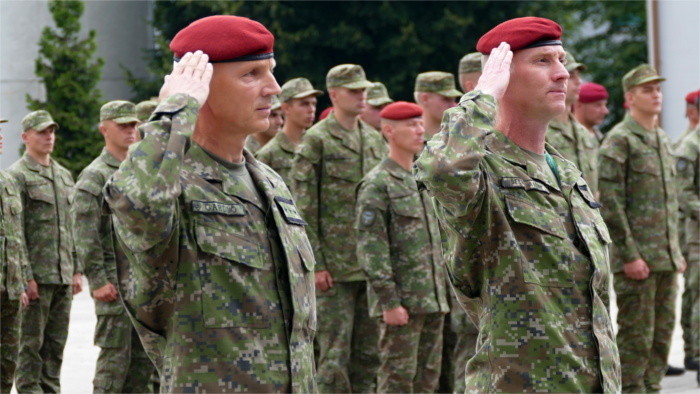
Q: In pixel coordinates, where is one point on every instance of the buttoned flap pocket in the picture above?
(585, 192)
(647, 164)
(602, 230)
(40, 191)
(529, 214)
(220, 240)
(406, 204)
(343, 167)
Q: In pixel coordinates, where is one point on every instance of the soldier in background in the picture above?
(435, 92)
(469, 71)
(298, 98)
(13, 261)
(398, 244)
(256, 141)
(219, 280)
(688, 172)
(591, 108)
(640, 205)
(569, 137)
(328, 165)
(525, 239)
(144, 109)
(377, 98)
(53, 274)
(122, 365)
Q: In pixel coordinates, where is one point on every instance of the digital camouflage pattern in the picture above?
(37, 120)
(219, 282)
(328, 165)
(688, 169)
(119, 111)
(639, 75)
(252, 144)
(279, 155)
(529, 250)
(577, 145)
(122, 365)
(13, 261)
(398, 244)
(470, 63)
(463, 346)
(350, 76)
(378, 95)
(297, 88)
(639, 197)
(47, 196)
(144, 109)
(439, 82)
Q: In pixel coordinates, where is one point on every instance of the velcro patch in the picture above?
(527, 184)
(289, 211)
(222, 208)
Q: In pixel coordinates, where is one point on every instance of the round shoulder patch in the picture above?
(681, 164)
(368, 217)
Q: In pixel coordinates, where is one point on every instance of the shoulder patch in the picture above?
(681, 164)
(221, 208)
(289, 211)
(368, 217)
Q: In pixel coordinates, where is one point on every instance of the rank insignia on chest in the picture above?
(221, 208)
(368, 217)
(289, 211)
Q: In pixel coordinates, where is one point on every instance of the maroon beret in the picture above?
(325, 113)
(693, 97)
(225, 38)
(401, 110)
(591, 92)
(521, 33)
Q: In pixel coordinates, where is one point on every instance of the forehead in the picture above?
(271, 63)
(548, 50)
(648, 85)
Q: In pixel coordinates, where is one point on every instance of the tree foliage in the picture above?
(70, 74)
(394, 41)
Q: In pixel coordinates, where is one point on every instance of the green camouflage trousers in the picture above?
(690, 304)
(347, 339)
(459, 345)
(646, 316)
(9, 340)
(43, 337)
(411, 355)
(122, 366)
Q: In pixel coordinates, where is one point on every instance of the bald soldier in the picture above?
(640, 205)
(122, 365)
(377, 99)
(329, 163)
(568, 136)
(219, 280)
(298, 100)
(525, 238)
(256, 141)
(435, 92)
(591, 108)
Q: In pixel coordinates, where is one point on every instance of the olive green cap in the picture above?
(119, 111)
(297, 88)
(571, 64)
(38, 120)
(378, 95)
(470, 63)
(144, 109)
(439, 82)
(641, 74)
(276, 103)
(349, 76)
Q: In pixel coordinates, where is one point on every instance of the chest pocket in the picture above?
(406, 204)
(234, 274)
(343, 167)
(646, 164)
(541, 238)
(41, 203)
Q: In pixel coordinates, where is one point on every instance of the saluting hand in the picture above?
(495, 75)
(191, 75)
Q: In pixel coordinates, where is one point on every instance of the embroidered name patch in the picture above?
(221, 208)
(289, 211)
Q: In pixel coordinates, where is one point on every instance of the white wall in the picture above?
(122, 33)
(679, 58)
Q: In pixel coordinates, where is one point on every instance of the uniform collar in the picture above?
(35, 166)
(108, 159)
(285, 143)
(395, 169)
(648, 136)
(343, 134)
(565, 128)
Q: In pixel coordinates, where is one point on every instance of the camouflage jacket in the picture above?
(328, 165)
(94, 238)
(13, 253)
(213, 300)
(278, 154)
(530, 251)
(688, 168)
(577, 145)
(639, 196)
(252, 144)
(47, 196)
(398, 243)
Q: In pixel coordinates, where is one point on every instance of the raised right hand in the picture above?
(495, 75)
(191, 75)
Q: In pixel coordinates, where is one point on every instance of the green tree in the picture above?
(65, 65)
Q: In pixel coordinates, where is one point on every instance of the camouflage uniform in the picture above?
(398, 244)
(688, 168)
(438, 82)
(377, 95)
(13, 261)
(252, 144)
(144, 110)
(220, 274)
(638, 194)
(278, 154)
(328, 165)
(122, 365)
(577, 145)
(530, 249)
(47, 195)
